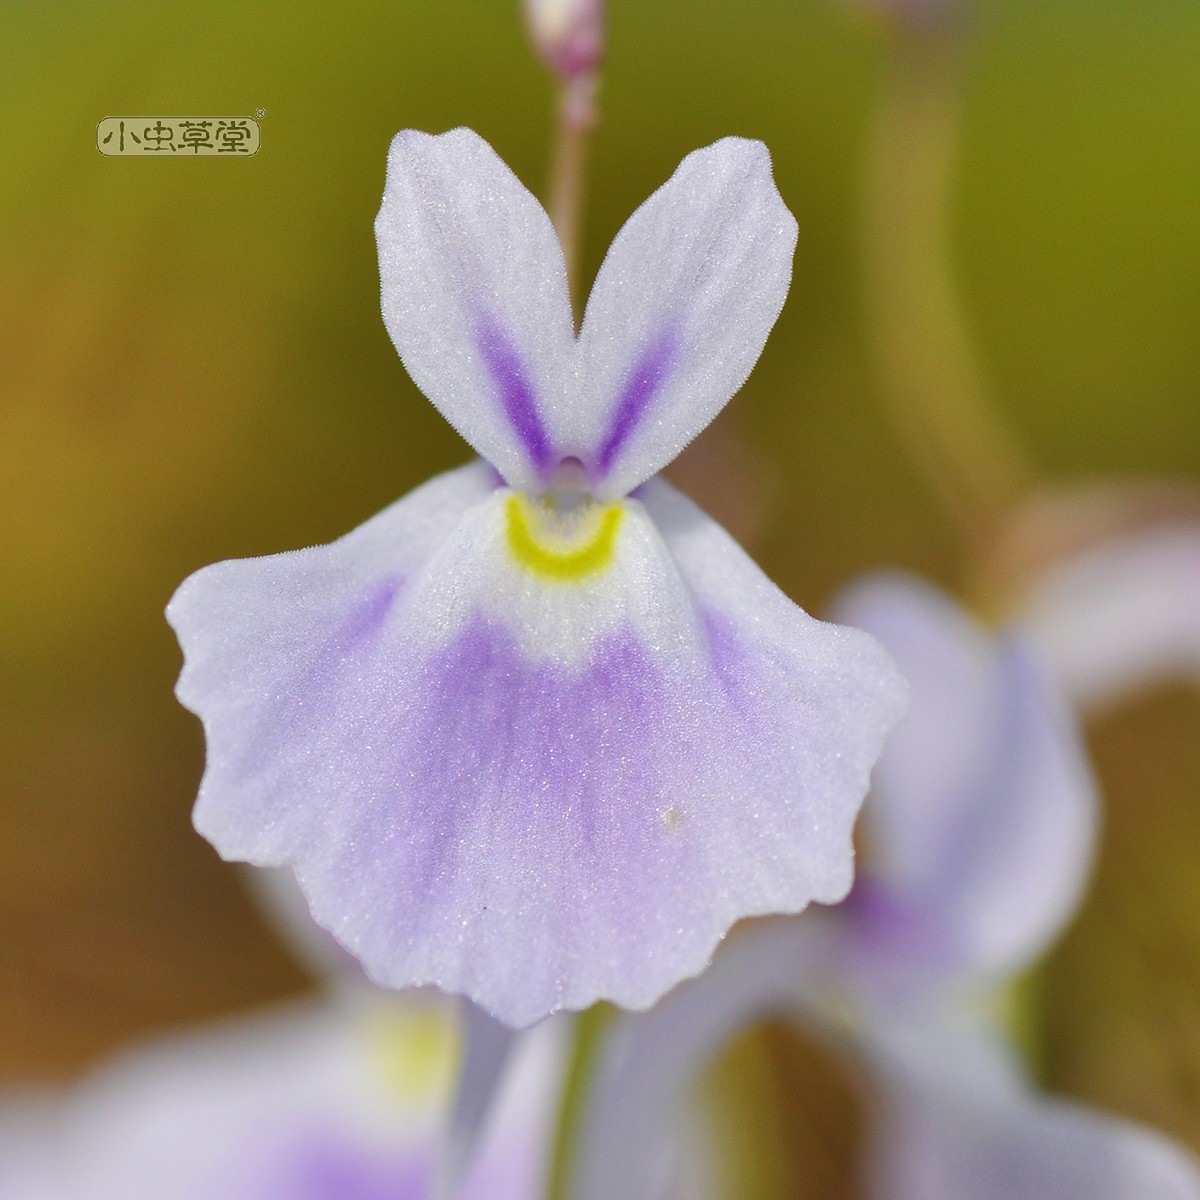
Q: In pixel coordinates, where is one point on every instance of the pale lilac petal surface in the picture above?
(981, 821)
(475, 296)
(950, 1123)
(262, 637)
(829, 696)
(28, 1145)
(679, 312)
(533, 795)
(1122, 616)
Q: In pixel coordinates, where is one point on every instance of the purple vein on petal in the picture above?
(366, 618)
(293, 708)
(642, 385)
(540, 732)
(726, 652)
(515, 391)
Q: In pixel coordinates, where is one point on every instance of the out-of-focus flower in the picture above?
(1121, 616)
(980, 830)
(541, 732)
(1104, 578)
(299, 1104)
(954, 1118)
(567, 34)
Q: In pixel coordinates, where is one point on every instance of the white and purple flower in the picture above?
(540, 732)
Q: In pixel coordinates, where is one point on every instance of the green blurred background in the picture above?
(194, 368)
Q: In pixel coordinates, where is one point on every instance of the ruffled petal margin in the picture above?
(532, 790)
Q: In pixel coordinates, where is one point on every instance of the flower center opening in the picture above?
(569, 486)
(563, 535)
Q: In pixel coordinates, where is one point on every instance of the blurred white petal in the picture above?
(295, 1104)
(651, 1059)
(952, 1121)
(981, 823)
(1121, 616)
(486, 1048)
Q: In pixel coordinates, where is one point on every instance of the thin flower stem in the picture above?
(576, 116)
(586, 1039)
(930, 376)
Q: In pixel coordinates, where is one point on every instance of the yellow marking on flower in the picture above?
(565, 547)
(415, 1051)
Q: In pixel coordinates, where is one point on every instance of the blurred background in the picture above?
(194, 368)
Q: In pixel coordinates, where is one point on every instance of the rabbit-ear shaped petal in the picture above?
(474, 293)
(475, 299)
(680, 312)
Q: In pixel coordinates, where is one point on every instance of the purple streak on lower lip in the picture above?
(295, 709)
(516, 393)
(490, 797)
(542, 723)
(368, 616)
(549, 736)
(725, 649)
(642, 385)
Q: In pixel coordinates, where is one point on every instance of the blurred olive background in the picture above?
(194, 368)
